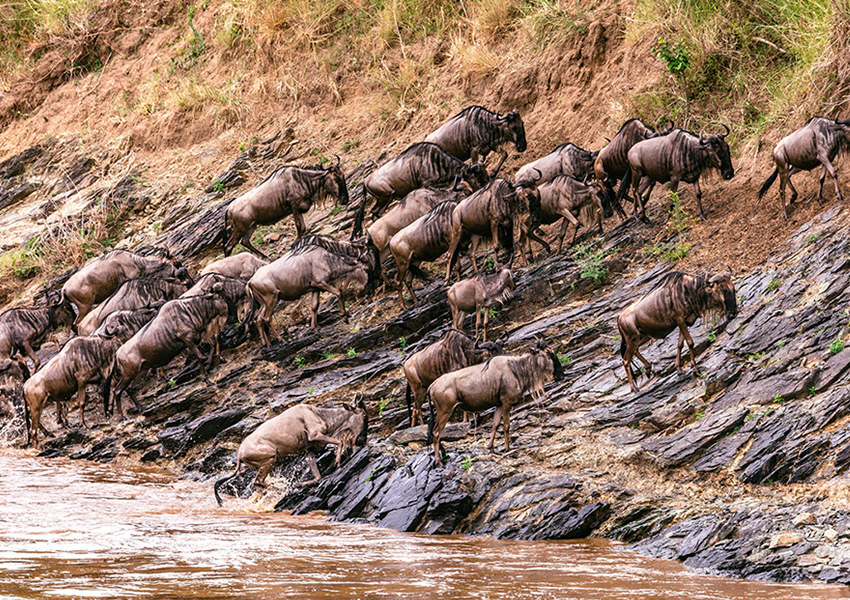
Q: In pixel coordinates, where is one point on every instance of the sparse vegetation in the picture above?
(774, 284)
(382, 405)
(351, 353)
(591, 257)
(836, 346)
(678, 230)
(300, 362)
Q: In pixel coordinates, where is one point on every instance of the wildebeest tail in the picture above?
(624, 187)
(418, 273)
(106, 389)
(431, 417)
(224, 480)
(27, 420)
(768, 183)
(357, 230)
(408, 397)
(249, 318)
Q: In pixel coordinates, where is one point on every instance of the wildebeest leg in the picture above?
(246, 241)
(81, 399)
(698, 192)
(497, 418)
(828, 168)
(314, 469)
(332, 290)
(31, 355)
(300, 227)
(314, 309)
(645, 362)
(441, 420)
(486, 316)
(478, 310)
(473, 251)
(506, 424)
(193, 348)
(788, 172)
(565, 223)
(683, 334)
(502, 160)
(61, 418)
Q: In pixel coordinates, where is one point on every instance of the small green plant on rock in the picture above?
(382, 404)
(590, 258)
(300, 362)
(466, 462)
(774, 284)
(351, 353)
(813, 392)
(675, 54)
(836, 346)
(711, 337)
(564, 359)
(778, 399)
(311, 391)
(172, 383)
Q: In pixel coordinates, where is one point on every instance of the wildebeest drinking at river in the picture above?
(475, 132)
(288, 191)
(818, 142)
(675, 303)
(301, 428)
(419, 166)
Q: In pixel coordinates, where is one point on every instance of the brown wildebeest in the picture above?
(566, 159)
(569, 200)
(678, 156)
(301, 428)
(243, 265)
(477, 294)
(314, 264)
(416, 204)
(455, 350)
(422, 165)
(475, 132)
(133, 293)
(287, 191)
(612, 162)
(233, 288)
(500, 382)
(81, 361)
(677, 301)
(99, 279)
(21, 329)
(180, 324)
(817, 143)
(491, 212)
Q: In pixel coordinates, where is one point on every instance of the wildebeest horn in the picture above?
(338, 160)
(726, 127)
(539, 175)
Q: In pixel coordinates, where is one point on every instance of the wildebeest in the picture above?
(678, 156)
(477, 294)
(475, 132)
(301, 428)
(676, 302)
(424, 240)
(180, 324)
(99, 279)
(313, 264)
(422, 165)
(288, 191)
(23, 329)
(499, 382)
(13, 374)
(81, 361)
(491, 212)
(455, 350)
(566, 159)
(242, 265)
(818, 142)
(569, 200)
(133, 293)
(416, 204)
(612, 162)
(233, 288)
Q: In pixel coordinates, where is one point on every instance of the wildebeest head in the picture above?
(61, 314)
(475, 175)
(182, 274)
(557, 367)
(514, 123)
(529, 195)
(335, 183)
(722, 292)
(717, 144)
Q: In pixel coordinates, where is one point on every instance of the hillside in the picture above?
(129, 125)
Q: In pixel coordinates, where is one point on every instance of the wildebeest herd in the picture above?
(130, 313)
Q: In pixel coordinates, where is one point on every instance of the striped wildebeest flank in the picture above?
(424, 240)
(133, 293)
(99, 279)
(499, 382)
(678, 156)
(475, 132)
(314, 264)
(413, 206)
(83, 360)
(566, 199)
(299, 429)
(233, 288)
(492, 213)
(180, 324)
(566, 159)
(455, 350)
(477, 294)
(288, 191)
(612, 162)
(24, 329)
(677, 301)
(817, 143)
(422, 165)
(242, 265)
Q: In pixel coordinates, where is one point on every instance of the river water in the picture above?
(72, 529)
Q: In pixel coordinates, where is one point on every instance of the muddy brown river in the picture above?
(81, 530)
